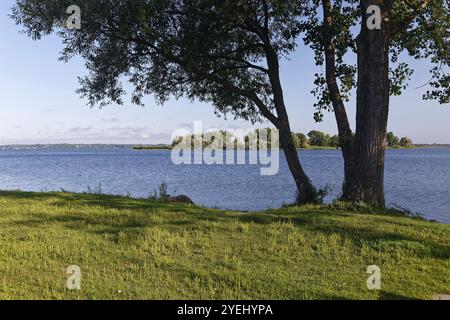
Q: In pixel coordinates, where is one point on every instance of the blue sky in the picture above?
(39, 103)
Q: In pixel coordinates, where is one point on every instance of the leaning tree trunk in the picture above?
(306, 191)
(364, 180)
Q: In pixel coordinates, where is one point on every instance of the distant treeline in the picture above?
(301, 141)
(313, 139)
(323, 139)
(207, 139)
(395, 142)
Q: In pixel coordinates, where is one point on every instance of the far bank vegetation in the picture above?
(257, 138)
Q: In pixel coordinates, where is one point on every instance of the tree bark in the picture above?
(346, 139)
(364, 180)
(306, 191)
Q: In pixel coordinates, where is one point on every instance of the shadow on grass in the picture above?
(143, 208)
(314, 220)
(63, 199)
(393, 296)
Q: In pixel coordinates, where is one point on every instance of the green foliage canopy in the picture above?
(419, 29)
(211, 50)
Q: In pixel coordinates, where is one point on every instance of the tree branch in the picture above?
(416, 11)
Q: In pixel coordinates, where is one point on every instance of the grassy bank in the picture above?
(143, 249)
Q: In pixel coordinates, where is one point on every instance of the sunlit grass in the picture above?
(142, 249)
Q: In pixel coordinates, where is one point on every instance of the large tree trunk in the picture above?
(364, 176)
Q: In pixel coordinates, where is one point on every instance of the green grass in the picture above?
(142, 249)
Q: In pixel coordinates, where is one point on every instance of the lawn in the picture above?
(145, 249)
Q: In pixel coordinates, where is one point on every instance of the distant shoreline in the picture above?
(163, 147)
(418, 146)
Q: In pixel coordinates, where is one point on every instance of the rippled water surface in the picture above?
(417, 179)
